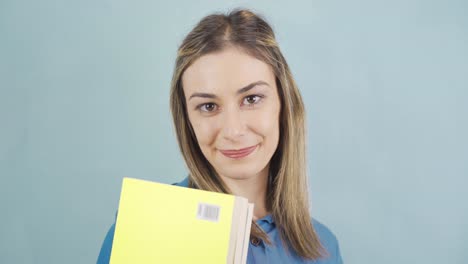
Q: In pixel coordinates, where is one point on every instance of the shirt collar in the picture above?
(266, 219)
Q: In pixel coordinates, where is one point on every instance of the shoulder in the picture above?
(328, 241)
(183, 183)
(325, 234)
(106, 248)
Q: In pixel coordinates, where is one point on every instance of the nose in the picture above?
(234, 126)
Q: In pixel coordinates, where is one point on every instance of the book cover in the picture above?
(161, 223)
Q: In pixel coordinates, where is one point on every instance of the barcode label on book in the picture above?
(209, 212)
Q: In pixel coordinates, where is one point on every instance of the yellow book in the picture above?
(161, 223)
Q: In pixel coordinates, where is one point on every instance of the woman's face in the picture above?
(233, 107)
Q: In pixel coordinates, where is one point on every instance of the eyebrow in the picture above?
(240, 91)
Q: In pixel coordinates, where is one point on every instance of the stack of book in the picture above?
(161, 223)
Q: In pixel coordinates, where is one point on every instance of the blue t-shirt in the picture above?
(258, 251)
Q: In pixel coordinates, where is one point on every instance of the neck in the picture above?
(252, 188)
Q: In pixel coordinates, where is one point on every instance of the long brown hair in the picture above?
(287, 193)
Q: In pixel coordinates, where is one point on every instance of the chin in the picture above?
(237, 176)
(243, 172)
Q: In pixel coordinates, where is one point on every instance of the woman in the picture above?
(240, 125)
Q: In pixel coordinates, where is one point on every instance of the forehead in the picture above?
(229, 69)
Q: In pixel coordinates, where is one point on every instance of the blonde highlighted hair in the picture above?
(287, 193)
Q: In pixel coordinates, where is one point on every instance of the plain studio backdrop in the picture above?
(84, 101)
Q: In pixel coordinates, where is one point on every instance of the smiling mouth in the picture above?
(237, 154)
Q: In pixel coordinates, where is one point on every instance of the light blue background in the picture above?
(84, 101)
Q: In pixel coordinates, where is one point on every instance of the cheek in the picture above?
(205, 131)
(267, 125)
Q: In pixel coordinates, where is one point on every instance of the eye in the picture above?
(207, 107)
(252, 99)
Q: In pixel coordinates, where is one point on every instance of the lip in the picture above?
(239, 153)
